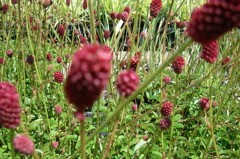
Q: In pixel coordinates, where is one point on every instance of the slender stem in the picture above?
(111, 139)
(83, 143)
(151, 144)
(92, 21)
(13, 154)
(172, 120)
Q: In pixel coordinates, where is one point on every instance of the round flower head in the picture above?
(134, 107)
(88, 75)
(135, 60)
(68, 2)
(58, 76)
(204, 103)
(59, 59)
(155, 7)
(14, 2)
(46, 3)
(113, 15)
(145, 137)
(119, 16)
(210, 51)
(213, 19)
(35, 27)
(76, 32)
(166, 108)
(226, 60)
(106, 34)
(49, 57)
(2, 60)
(4, 8)
(30, 59)
(127, 9)
(167, 79)
(165, 123)
(58, 109)
(85, 4)
(125, 16)
(127, 82)
(178, 64)
(10, 111)
(55, 144)
(180, 24)
(129, 42)
(23, 144)
(61, 29)
(9, 53)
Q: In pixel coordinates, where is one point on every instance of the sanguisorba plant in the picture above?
(131, 74)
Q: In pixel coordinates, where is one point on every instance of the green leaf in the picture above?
(177, 117)
(71, 137)
(178, 125)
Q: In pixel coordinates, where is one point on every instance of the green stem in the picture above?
(83, 143)
(92, 21)
(13, 154)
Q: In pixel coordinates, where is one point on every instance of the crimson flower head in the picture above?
(85, 4)
(106, 34)
(88, 75)
(127, 9)
(10, 111)
(68, 2)
(119, 16)
(167, 79)
(125, 16)
(145, 137)
(9, 53)
(59, 59)
(76, 32)
(83, 40)
(166, 108)
(226, 60)
(58, 76)
(135, 60)
(134, 107)
(113, 15)
(46, 3)
(210, 51)
(178, 64)
(14, 2)
(213, 19)
(155, 8)
(165, 123)
(204, 103)
(30, 59)
(49, 57)
(23, 144)
(55, 144)
(127, 82)
(35, 27)
(58, 109)
(2, 60)
(4, 8)
(61, 29)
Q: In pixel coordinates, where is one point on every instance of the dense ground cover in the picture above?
(125, 79)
